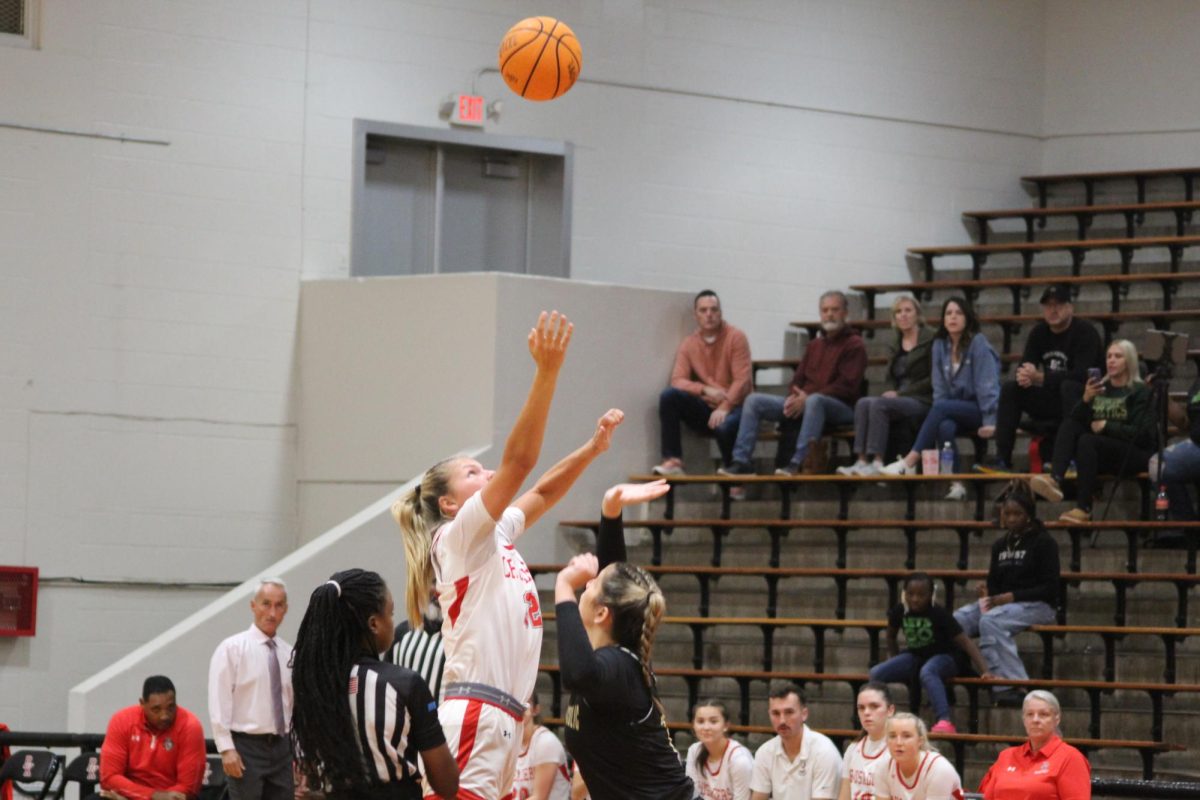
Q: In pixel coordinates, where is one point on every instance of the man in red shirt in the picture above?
(154, 750)
(825, 386)
(710, 380)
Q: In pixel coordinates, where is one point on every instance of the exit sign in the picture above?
(468, 110)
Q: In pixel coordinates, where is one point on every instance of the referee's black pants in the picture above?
(267, 768)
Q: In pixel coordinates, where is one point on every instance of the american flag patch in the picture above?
(353, 684)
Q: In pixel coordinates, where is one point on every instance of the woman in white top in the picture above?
(719, 767)
(460, 527)
(542, 771)
(916, 771)
(875, 708)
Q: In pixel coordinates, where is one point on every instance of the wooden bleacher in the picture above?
(1134, 215)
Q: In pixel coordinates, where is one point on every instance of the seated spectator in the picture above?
(909, 398)
(966, 390)
(1110, 429)
(1049, 380)
(932, 635)
(542, 771)
(719, 766)
(709, 381)
(1021, 589)
(799, 763)
(154, 750)
(863, 755)
(916, 771)
(1045, 767)
(825, 385)
(1180, 467)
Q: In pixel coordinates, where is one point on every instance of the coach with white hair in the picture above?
(1045, 767)
(250, 701)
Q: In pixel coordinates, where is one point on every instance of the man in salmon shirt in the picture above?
(154, 750)
(709, 381)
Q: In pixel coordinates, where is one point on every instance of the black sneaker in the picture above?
(735, 469)
(994, 466)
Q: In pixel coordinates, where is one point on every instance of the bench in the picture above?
(1134, 214)
(1118, 286)
(1078, 250)
(973, 686)
(1089, 180)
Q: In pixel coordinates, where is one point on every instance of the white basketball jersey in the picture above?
(859, 764)
(544, 748)
(935, 780)
(729, 781)
(492, 628)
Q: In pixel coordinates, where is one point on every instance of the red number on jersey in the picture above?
(533, 611)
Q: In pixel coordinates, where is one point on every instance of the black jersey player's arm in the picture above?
(610, 539)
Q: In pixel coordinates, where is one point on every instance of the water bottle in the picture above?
(946, 460)
(1161, 504)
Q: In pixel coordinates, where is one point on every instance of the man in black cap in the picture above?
(1050, 378)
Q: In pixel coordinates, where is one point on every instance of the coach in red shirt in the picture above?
(1045, 767)
(154, 750)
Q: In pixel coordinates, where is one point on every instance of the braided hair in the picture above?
(637, 606)
(333, 636)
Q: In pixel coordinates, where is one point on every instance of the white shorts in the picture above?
(485, 740)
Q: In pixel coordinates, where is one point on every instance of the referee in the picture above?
(421, 650)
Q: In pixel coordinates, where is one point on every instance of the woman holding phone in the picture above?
(1110, 429)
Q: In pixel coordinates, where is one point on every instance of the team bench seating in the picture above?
(818, 626)
(1089, 180)
(1078, 250)
(706, 576)
(1118, 286)
(1134, 214)
(973, 686)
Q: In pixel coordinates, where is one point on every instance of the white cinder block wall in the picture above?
(148, 293)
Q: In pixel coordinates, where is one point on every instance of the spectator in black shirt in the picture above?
(363, 747)
(1181, 466)
(1021, 589)
(932, 635)
(615, 724)
(1050, 378)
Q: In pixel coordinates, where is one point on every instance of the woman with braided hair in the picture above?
(359, 723)
(615, 723)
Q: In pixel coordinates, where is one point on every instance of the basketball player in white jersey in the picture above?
(862, 756)
(916, 771)
(719, 766)
(542, 771)
(460, 527)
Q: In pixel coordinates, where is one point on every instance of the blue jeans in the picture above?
(996, 630)
(946, 418)
(1181, 466)
(819, 409)
(934, 672)
(675, 406)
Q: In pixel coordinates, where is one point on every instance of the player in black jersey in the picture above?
(359, 722)
(616, 727)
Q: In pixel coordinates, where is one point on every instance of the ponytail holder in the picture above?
(335, 585)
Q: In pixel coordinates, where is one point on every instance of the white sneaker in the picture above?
(872, 468)
(898, 467)
(958, 491)
(854, 469)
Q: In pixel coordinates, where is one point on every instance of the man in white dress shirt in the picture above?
(250, 701)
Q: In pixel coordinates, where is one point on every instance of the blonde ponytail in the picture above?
(418, 514)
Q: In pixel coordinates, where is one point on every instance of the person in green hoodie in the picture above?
(1110, 429)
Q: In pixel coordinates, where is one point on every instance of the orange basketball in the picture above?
(540, 58)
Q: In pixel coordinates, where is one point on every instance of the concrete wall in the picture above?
(1120, 85)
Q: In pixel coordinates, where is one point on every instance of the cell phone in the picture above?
(1093, 373)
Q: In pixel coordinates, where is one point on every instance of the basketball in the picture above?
(540, 58)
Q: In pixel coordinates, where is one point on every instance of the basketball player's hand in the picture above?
(579, 570)
(231, 762)
(629, 494)
(548, 340)
(602, 438)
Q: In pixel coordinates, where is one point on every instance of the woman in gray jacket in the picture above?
(966, 390)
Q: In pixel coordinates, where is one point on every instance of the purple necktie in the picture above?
(276, 689)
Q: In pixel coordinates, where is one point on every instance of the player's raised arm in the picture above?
(557, 481)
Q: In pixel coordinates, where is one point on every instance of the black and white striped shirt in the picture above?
(421, 651)
(396, 718)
